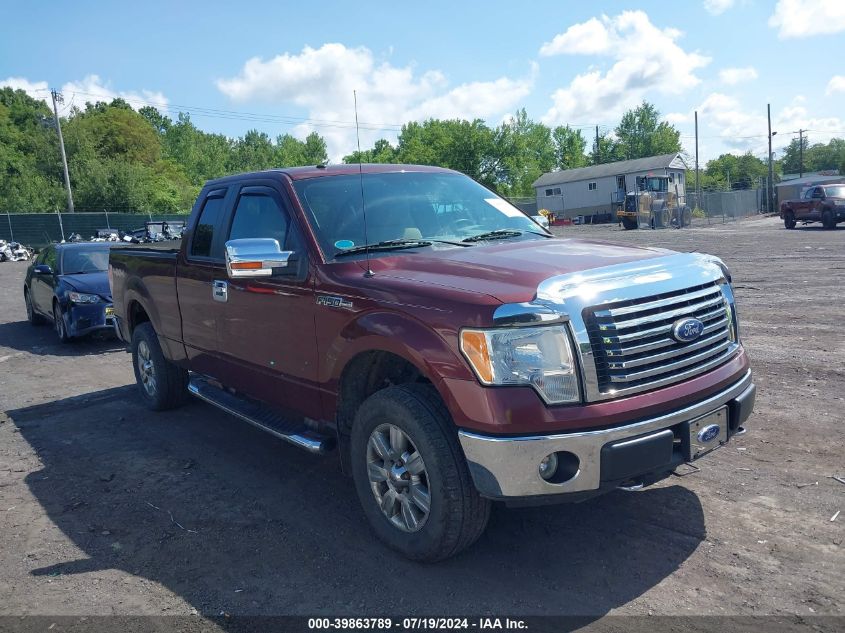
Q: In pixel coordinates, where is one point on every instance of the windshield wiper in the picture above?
(501, 234)
(498, 234)
(387, 245)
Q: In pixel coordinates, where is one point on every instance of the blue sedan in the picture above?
(68, 284)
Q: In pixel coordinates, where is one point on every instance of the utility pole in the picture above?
(800, 153)
(58, 97)
(771, 187)
(697, 192)
(598, 149)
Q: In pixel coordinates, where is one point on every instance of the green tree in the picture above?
(729, 171)
(640, 133)
(569, 146)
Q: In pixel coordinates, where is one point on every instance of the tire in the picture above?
(457, 514)
(31, 316)
(789, 220)
(629, 223)
(59, 324)
(828, 220)
(161, 384)
(686, 217)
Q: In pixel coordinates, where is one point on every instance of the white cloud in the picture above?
(321, 81)
(92, 88)
(717, 7)
(646, 58)
(742, 130)
(804, 18)
(588, 38)
(678, 117)
(836, 84)
(35, 89)
(732, 76)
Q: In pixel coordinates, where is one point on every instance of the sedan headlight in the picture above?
(540, 357)
(81, 297)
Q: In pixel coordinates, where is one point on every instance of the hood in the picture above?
(508, 271)
(91, 283)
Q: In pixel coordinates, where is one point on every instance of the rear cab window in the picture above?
(202, 240)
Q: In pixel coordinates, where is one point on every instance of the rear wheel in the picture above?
(59, 324)
(789, 220)
(686, 216)
(31, 316)
(828, 220)
(629, 223)
(411, 476)
(162, 384)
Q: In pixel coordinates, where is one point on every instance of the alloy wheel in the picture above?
(146, 369)
(398, 478)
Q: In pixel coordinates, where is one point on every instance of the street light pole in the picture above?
(58, 97)
(771, 187)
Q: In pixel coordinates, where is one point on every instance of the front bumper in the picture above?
(87, 319)
(507, 467)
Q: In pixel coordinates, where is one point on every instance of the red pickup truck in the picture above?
(451, 350)
(822, 203)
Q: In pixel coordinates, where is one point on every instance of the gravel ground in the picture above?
(108, 509)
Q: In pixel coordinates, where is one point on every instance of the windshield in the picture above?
(405, 206)
(835, 192)
(85, 260)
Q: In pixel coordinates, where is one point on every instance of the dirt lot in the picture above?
(108, 509)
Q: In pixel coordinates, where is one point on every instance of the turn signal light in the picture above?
(474, 346)
(246, 265)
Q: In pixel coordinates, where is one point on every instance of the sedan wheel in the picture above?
(59, 323)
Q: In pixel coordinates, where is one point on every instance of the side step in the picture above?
(261, 416)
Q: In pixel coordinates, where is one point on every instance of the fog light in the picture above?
(548, 466)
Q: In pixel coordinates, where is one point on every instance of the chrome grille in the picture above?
(633, 347)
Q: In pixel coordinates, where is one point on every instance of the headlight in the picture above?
(537, 356)
(81, 297)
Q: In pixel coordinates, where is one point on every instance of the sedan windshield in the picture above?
(441, 208)
(81, 259)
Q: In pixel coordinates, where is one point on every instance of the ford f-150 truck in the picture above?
(448, 348)
(823, 203)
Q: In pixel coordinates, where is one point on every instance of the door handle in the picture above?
(220, 290)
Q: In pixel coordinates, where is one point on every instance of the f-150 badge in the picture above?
(333, 302)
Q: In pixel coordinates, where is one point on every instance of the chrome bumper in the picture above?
(503, 467)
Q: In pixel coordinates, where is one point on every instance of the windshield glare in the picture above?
(410, 205)
(835, 192)
(82, 260)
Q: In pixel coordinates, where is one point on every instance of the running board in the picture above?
(261, 416)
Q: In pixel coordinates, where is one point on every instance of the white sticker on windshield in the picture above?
(504, 207)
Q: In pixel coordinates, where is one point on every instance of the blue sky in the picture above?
(295, 64)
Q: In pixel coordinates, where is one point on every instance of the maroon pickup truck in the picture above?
(450, 350)
(822, 203)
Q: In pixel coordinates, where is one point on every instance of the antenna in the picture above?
(369, 272)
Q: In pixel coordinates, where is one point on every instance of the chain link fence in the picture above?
(36, 230)
(719, 207)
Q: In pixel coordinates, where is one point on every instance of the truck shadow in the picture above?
(42, 340)
(233, 520)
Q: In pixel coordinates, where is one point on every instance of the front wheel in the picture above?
(60, 325)
(789, 220)
(828, 221)
(629, 223)
(162, 384)
(411, 475)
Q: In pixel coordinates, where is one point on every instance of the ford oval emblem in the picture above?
(708, 433)
(687, 330)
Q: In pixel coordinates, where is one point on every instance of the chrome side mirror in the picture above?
(255, 257)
